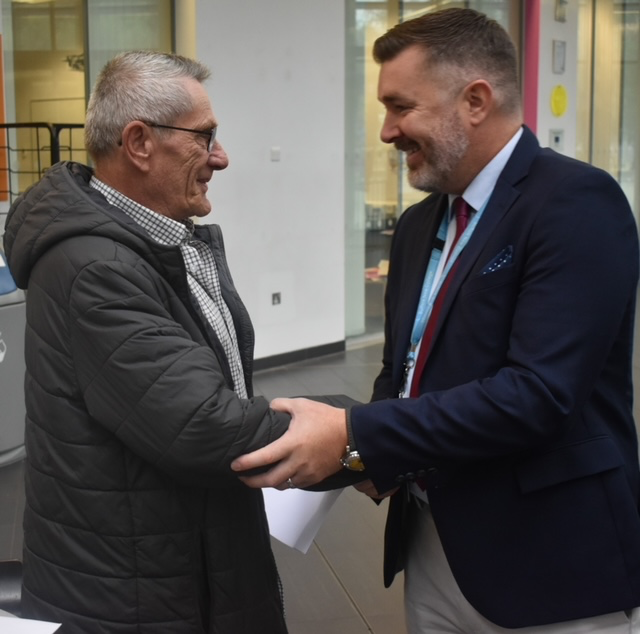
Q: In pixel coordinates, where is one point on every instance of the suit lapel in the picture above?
(503, 197)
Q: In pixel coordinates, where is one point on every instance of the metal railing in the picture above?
(27, 150)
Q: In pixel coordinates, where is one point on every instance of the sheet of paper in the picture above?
(295, 516)
(9, 625)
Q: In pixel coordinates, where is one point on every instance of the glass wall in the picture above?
(53, 51)
(376, 185)
(44, 50)
(608, 89)
(114, 26)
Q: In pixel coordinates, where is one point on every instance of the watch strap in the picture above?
(350, 439)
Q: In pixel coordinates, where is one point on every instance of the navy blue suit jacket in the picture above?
(524, 429)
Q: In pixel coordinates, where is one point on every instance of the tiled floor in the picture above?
(336, 587)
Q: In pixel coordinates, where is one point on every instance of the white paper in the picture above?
(295, 516)
(10, 625)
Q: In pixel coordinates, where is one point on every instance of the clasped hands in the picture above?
(307, 453)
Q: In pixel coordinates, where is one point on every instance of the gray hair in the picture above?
(138, 85)
(463, 45)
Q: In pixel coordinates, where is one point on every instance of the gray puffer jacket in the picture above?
(134, 521)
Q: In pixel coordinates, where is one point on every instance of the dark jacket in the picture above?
(524, 429)
(134, 521)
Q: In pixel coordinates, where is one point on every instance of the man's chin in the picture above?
(201, 210)
(419, 181)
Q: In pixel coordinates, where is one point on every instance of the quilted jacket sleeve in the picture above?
(146, 374)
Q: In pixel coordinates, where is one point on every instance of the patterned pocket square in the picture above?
(504, 258)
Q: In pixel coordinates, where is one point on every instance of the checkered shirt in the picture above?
(202, 273)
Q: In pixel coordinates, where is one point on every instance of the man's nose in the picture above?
(218, 158)
(389, 131)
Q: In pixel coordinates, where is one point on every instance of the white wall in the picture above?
(551, 29)
(278, 88)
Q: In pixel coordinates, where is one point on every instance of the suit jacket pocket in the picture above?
(480, 281)
(500, 261)
(592, 456)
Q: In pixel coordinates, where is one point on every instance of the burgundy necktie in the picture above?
(462, 211)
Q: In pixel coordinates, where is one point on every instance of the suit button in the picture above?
(399, 479)
(421, 474)
(410, 476)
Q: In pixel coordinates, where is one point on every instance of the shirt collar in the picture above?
(162, 229)
(481, 187)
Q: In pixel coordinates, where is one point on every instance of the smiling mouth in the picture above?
(407, 147)
(413, 156)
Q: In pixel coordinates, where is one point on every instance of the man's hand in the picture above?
(307, 453)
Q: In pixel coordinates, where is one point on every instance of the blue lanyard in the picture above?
(427, 297)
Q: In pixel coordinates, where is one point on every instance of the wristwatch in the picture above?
(351, 459)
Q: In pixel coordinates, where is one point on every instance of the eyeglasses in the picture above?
(209, 134)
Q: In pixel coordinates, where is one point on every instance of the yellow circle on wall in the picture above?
(559, 100)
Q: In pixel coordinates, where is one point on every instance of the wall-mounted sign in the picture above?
(559, 100)
(559, 56)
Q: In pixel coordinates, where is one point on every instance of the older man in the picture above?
(138, 386)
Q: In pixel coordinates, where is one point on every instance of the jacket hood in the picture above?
(58, 207)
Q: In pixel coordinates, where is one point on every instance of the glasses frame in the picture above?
(210, 134)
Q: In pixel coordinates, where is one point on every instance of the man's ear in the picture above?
(479, 100)
(137, 144)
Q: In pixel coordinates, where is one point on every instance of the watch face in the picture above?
(352, 461)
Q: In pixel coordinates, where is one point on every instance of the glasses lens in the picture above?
(212, 139)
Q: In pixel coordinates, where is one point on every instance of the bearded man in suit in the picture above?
(501, 421)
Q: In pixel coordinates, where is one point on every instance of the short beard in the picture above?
(446, 149)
